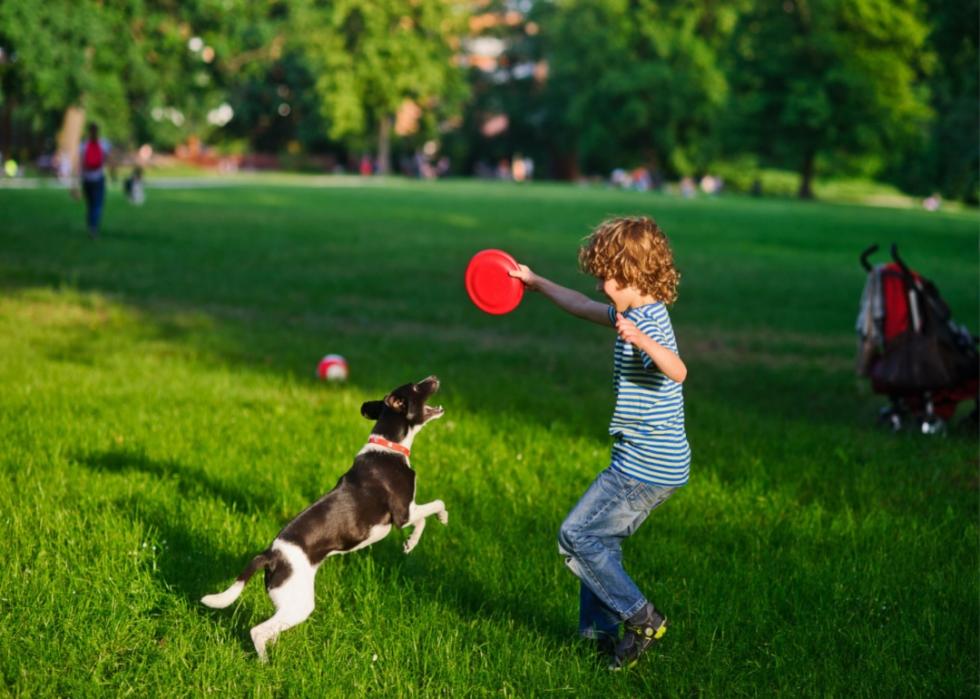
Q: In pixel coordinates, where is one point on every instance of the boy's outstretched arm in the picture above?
(569, 300)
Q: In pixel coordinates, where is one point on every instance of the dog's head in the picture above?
(403, 412)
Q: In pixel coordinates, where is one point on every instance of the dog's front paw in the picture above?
(259, 641)
(443, 516)
(409, 545)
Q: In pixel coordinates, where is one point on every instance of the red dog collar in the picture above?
(394, 446)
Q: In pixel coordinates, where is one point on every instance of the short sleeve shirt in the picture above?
(648, 421)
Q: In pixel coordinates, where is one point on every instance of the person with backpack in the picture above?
(93, 156)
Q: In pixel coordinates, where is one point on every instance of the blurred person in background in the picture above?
(133, 185)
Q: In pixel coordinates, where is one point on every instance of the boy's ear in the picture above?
(395, 403)
(372, 409)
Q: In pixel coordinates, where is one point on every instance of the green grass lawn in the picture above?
(160, 421)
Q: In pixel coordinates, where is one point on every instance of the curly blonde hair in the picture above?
(635, 252)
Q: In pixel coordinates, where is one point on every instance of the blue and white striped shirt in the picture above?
(648, 422)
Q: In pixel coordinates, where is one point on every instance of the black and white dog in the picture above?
(378, 492)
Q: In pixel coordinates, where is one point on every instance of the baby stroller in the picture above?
(912, 350)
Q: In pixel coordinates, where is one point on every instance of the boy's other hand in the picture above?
(627, 330)
(524, 273)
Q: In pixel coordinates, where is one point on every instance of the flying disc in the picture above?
(490, 286)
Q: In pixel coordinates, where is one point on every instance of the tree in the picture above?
(637, 81)
(52, 63)
(371, 57)
(830, 77)
(947, 157)
(119, 61)
(506, 77)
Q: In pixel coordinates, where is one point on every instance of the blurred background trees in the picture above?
(638, 81)
(866, 88)
(375, 59)
(840, 80)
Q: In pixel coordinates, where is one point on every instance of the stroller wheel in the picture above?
(891, 418)
(933, 426)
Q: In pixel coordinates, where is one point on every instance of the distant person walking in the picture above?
(94, 151)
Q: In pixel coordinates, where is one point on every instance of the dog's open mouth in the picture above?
(433, 411)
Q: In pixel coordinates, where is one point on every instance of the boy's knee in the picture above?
(568, 540)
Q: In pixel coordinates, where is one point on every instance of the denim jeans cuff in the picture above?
(634, 609)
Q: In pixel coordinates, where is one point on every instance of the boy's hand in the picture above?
(524, 273)
(628, 331)
(664, 358)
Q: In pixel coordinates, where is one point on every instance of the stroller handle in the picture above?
(899, 261)
(911, 280)
(864, 257)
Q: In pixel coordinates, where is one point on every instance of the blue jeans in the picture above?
(590, 539)
(94, 198)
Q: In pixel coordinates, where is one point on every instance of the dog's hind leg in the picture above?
(419, 525)
(289, 615)
(290, 587)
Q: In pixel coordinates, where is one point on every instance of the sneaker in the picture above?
(641, 631)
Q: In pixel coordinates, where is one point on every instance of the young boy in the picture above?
(633, 262)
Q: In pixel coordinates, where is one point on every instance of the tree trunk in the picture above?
(564, 165)
(70, 139)
(384, 145)
(806, 175)
(7, 128)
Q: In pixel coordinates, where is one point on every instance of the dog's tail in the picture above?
(223, 599)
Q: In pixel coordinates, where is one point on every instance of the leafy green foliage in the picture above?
(129, 64)
(638, 81)
(829, 76)
(865, 88)
(370, 57)
(947, 156)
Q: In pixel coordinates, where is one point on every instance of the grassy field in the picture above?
(159, 422)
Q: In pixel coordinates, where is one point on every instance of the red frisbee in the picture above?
(488, 284)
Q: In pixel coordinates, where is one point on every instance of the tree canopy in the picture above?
(830, 77)
(638, 79)
(371, 57)
(879, 87)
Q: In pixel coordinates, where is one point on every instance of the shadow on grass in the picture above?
(453, 582)
(195, 565)
(187, 482)
(189, 564)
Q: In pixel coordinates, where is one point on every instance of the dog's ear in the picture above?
(372, 409)
(395, 403)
